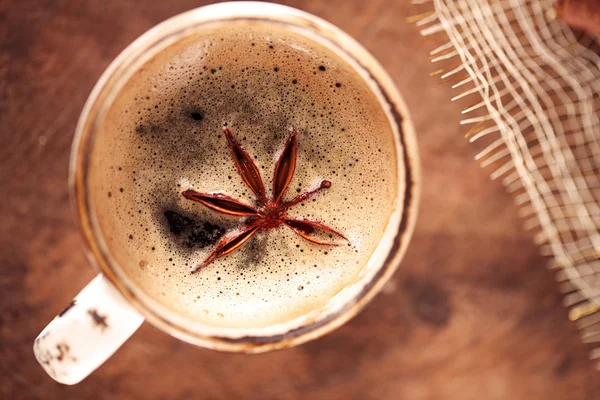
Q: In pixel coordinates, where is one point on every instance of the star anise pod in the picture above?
(268, 213)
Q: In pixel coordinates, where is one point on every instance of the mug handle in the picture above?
(86, 333)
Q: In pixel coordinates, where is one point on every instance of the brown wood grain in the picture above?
(473, 313)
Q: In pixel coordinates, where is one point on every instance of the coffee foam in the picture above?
(163, 135)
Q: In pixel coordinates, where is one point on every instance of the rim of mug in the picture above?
(174, 29)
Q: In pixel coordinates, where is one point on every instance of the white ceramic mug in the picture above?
(111, 308)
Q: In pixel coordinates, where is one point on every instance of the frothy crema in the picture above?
(163, 135)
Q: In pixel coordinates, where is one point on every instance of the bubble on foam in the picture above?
(185, 184)
(165, 133)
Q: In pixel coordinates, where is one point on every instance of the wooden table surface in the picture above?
(473, 313)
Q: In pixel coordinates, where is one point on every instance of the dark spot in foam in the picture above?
(254, 251)
(430, 302)
(67, 308)
(192, 234)
(322, 68)
(98, 319)
(204, 235)
(177, 222)
(197, 115)
(147, 129)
